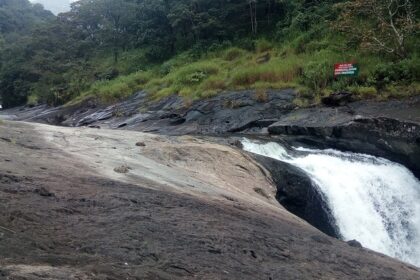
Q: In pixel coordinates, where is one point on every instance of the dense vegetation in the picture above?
(109, 49)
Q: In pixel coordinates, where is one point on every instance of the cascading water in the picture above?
(372, 199)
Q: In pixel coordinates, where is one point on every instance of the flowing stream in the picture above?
(373, 200)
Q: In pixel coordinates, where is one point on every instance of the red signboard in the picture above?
(346, 69)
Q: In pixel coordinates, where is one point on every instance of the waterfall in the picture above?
(373, 200)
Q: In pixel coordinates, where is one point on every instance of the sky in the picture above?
(55, 6)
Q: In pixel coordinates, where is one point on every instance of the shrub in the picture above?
(317, 75)
(263, 45)
(194, 73)
(304, 92)
(261, 96)
(214, 83)
(33, 100)
(119, 88)
(187, 102)
(108, 74)
(247, 44)
(405, 71)
(217, 46)
(166, 68)
(364, 92)
(157, 53)
(233, 54)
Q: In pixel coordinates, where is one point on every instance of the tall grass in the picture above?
(108, 91)
(308, 68)
(276, 70)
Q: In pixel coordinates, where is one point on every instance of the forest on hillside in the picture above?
(109, 49)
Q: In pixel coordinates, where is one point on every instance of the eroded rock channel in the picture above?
(185, 206)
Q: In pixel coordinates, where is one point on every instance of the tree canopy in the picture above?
(57, 58)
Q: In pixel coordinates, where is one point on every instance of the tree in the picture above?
(379, 25)
(107, 21)
(253, 15)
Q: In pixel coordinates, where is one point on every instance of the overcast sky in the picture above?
(55, 6)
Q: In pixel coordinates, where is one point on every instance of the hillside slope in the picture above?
(109, 49)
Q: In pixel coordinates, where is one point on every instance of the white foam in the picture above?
(373, 200)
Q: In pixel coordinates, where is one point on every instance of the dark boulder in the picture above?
(236, 143)
(44, 192)
(299, 195)
(337, 99)
(264, 58)
(140, 144)
(355, 243)
(383, 137)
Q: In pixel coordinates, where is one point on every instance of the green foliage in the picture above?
(405, 71)
(263, 45)
(108, 91)
(108, 49)
(364, 92)
(276, 70)
(317, 75)
(187, 79)
(234, 53)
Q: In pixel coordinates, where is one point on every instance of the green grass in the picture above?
(117, 89)
(309, 71)
(231, 69)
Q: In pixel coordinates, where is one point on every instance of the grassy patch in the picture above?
(232, 54)
(32, 100)
(309, 71)
(114, 90)
(364, 92)
(275, 71)
(188, 80)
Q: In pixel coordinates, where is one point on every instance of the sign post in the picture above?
(346, 69)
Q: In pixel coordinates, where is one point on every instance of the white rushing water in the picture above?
(373, 200)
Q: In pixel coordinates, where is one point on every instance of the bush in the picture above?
(158, 53)
(263, 45)
(166, 68)
(246, 44)
(108, 74)
(214, 83)
(194, 74)
(304, 92)
(233, 54)
(261, 96)
(405, 71)
(218, 46)
(119, 88)
(33, 100)
(317, 75)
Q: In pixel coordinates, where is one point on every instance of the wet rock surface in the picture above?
(230, 112)
(298, 194)
(97, 226)
(393, 139)
(388, 129)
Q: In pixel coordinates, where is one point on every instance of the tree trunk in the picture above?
(253, 16)
(115, 55)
